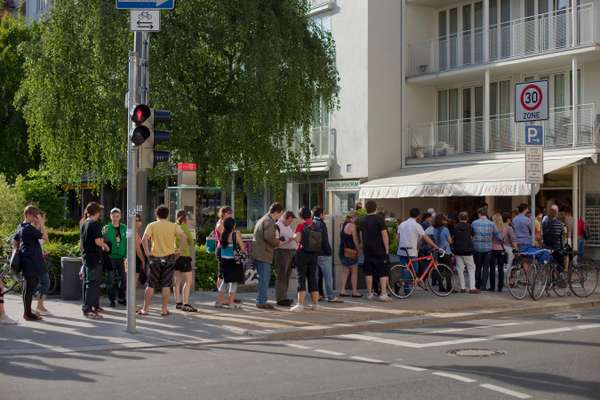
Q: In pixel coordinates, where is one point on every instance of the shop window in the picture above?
(592, 217)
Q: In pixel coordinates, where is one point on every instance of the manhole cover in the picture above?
(475, 352)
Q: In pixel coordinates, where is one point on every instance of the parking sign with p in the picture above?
(531, 101)
(534, 135)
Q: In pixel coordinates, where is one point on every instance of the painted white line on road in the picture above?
(366, 359)
(508, 392)
(502, 325)
(412, 345)
(459, 378)
(329, 352)
(298, 346)
(408, 367)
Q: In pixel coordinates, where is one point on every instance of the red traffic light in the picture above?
(140, 113)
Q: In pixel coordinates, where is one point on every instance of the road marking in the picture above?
(408, 367)
(412, 345)
(331, 353)
(298, 346)
(366, 359)
(502, 325)
(455, 377)
(509, 392)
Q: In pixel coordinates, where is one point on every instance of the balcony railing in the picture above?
(464, 136)
(524, 37)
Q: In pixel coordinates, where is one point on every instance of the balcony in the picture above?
(519, 38)
(455, 137)
(321, 141)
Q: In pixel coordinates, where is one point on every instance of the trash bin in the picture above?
(70, 283)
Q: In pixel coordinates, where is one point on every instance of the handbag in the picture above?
(350, 253)
(15, 261)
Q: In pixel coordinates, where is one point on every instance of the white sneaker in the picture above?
(235, 306)
(385, 298)
(6, 320)
(370, 296)
(297, 308)
(316, 307)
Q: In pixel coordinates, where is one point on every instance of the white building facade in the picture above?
(461, 147)
(34, 9)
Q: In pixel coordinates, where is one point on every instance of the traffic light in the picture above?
(141, 116)
(149, 156)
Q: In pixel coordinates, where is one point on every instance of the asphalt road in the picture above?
(555, 356)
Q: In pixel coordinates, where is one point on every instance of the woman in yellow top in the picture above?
(183, 267)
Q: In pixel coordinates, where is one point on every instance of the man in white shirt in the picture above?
(409, 233)
(283, 258)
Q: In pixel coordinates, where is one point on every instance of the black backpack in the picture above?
(312, 239)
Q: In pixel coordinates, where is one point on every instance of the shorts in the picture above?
(376, 266)
(349, 262)
(161, 271)
(183, 264)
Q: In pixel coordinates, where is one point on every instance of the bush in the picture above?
(206, 269)
(56, 251)
(11, 209)
(65, 236)
(38, 189)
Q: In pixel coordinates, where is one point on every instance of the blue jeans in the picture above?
(580, 247)
(264, 276)
(327, 269)
(44, 284)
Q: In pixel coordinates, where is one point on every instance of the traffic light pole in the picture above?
(134, 98)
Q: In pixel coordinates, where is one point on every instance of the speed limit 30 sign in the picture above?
(531, 101)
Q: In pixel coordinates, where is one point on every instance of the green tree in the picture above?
(15, 157)
(241, 76)
(38, 189)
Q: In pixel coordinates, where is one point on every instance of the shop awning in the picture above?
(503, 178)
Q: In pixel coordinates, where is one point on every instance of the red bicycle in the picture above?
(436, 276)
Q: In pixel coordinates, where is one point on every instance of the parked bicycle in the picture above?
(583, 279)
(436, 277)
(10, 282)
(521, 273)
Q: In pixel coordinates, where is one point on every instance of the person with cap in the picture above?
(115, 232)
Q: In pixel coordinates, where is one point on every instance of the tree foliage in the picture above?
(15, 157)
(240, 76)
(12, 207)
(37, 188)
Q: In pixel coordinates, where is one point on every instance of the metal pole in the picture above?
(533, 185)
(134, 98)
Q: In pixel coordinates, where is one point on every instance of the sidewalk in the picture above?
(68, 331)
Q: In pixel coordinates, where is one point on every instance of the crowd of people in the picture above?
(483, 244)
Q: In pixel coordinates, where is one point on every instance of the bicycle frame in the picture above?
(432, 264)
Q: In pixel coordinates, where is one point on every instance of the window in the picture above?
(592, 217)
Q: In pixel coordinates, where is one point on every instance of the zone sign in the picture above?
(531, 101)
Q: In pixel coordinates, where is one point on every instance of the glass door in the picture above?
(442, 41)
(478, 32)
(467, 35)
(453, 39)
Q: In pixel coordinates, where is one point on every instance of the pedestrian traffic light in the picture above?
(141, 117)
(149, 156)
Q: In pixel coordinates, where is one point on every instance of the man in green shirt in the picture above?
(183, 267)
(116, 233)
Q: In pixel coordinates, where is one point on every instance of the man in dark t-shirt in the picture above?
(375, 242)
(92, 245)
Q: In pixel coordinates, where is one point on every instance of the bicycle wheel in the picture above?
(583, 279)
(402, 281)
(516, 281)
(558, 282)
(541, 277)
(11, 283)
(439, 280)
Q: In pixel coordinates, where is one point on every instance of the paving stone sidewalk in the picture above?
(66, 330)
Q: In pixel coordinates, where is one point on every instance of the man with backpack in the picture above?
(324, 259)
(310, 245)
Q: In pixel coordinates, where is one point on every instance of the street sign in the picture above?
(534, 164)
(144, 20)
(531, 101)
(148, 4)
(534, 135)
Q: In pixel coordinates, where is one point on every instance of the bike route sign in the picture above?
(531, 101)
(148, 4)
(144, 20)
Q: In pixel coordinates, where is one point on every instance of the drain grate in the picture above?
(475, 352)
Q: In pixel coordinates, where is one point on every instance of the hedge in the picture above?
(206, 269)
(65, 236)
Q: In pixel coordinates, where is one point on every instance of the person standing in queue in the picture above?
(92, 245)
(183, 267)
(264, 243)
(283, 259)
(26, 240)
(115, 232)
(161, 257)
(310, 245)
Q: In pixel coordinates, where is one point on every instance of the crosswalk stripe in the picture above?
(508, 392)
(455, 377)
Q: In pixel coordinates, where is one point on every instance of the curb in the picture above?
(301, 333)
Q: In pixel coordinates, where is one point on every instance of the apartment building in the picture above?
(461, 145)
(361, 140)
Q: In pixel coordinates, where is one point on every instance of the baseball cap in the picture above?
(115, 210)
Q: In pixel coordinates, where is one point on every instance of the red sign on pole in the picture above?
(186, 166)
